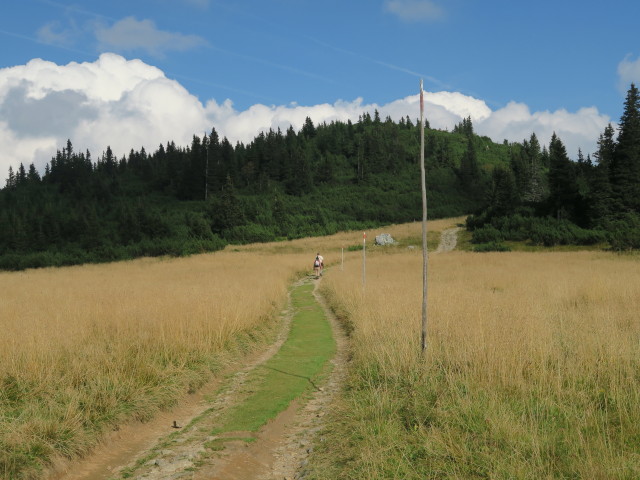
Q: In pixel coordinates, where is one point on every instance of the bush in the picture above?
(624, 232)
(550, 232)
(486, 234)
(250, 233)
(491, 247)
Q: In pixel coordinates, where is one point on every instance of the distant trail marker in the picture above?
(425, 253)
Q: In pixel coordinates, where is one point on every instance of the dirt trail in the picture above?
(279, 452)
(448, 240)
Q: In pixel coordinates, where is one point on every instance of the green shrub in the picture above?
(624, 232)
(491, 247)
(486, 234)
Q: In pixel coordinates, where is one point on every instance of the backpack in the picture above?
(317, 262)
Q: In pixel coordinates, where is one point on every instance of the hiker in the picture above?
(321, 258)
(316, 266)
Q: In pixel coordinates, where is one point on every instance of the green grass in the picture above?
(464, 240)
(295, 369)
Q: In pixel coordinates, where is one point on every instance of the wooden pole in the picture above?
(425, 253)
(206, 173)
(364, 261)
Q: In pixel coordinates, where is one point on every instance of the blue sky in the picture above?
(137, 73)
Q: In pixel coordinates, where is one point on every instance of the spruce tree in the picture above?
(502, 195)
(600, 198)
(625, 165)
(469, 169)
(11, 179)
(563, 189)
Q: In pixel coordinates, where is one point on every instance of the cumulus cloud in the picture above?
(129, 35)
(415, 10)
(628, 72)
(113, 101)
(128, 104)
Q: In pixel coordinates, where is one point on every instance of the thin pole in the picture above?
(364, 261)
(425, 253)
(206, 174)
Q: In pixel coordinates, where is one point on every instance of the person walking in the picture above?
(321, 258)
(316, 266)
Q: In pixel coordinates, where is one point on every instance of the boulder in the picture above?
(384, 239)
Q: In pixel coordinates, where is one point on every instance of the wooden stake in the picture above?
(425, 253)
(364, 261)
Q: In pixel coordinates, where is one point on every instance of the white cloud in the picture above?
(579, 130)
(122, 103)
(129, 34)
(128, 104)
(628, 72)
(415, 10)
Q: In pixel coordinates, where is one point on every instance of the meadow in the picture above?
(531, 372)
(85, 349)
(531, 369)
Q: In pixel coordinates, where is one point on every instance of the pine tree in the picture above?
(11, 179)
(536, 188)
(469, 169)
(21, 178)
(33, 176)
(625, 164)
(230, 213)
(563, 190)
(503, 195)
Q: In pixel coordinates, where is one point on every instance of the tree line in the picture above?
(545, 198)
(179, 200)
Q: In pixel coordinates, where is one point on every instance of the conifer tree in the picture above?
(11, 179)
(625, 165)
(469, 169)
(563, 190)
(503, 195)
(33, 176)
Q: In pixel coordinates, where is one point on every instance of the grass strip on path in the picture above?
(296, 368)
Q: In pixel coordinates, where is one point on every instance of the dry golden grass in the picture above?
(84, 348)
(532, 369)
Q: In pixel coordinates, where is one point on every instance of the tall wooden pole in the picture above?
(206, 172)
(364, 261)
(425, 253)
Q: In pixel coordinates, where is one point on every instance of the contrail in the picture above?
(76, 9)
(40, 42)
(273, 64)
(381, 63)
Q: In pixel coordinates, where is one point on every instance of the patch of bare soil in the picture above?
(158, 451)
(448, 240)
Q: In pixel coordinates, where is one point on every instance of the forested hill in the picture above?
(181, 200)
(553, 200)
(319, 180)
